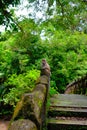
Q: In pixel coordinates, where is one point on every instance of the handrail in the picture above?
(30, 111)
(78, 86)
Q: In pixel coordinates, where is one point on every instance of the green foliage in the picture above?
(20, 84)
(6, 13)
(67, 55)
(65, 51)
(53, 88)
(65, 14)
(21, 54)
(52, 91)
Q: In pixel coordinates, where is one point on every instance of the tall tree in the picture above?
(69, 14)
(66, 13)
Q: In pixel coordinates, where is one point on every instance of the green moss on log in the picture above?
(23, 124)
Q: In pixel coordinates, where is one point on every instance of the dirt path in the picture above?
(4, 125)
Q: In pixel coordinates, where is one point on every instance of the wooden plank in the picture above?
(68, 109)
(68, 122)
(69, 100)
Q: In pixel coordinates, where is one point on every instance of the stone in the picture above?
(23, 124)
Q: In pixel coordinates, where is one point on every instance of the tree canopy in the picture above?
(66, 13)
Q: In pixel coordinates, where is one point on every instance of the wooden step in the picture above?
(69, 123)
(68, 105)
(68, 112)
(69, 100)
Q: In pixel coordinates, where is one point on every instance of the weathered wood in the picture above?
(32, 106)
(64, 124)
(69, 100)
(68, 105)
(68, 112)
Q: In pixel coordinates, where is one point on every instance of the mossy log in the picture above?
(32, 106)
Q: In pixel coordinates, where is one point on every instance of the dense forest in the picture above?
(59, 36)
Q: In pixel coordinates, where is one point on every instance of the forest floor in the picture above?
(4, 122)
(4, 125)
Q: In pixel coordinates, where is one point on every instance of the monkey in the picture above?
(45, 68)
(45, 65)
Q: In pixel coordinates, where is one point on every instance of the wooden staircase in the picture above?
(68, 112)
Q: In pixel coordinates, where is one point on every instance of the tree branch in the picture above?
(62, 7)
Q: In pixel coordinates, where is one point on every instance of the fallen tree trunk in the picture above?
(30, 111)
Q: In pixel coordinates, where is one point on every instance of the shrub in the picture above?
(20, 84)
